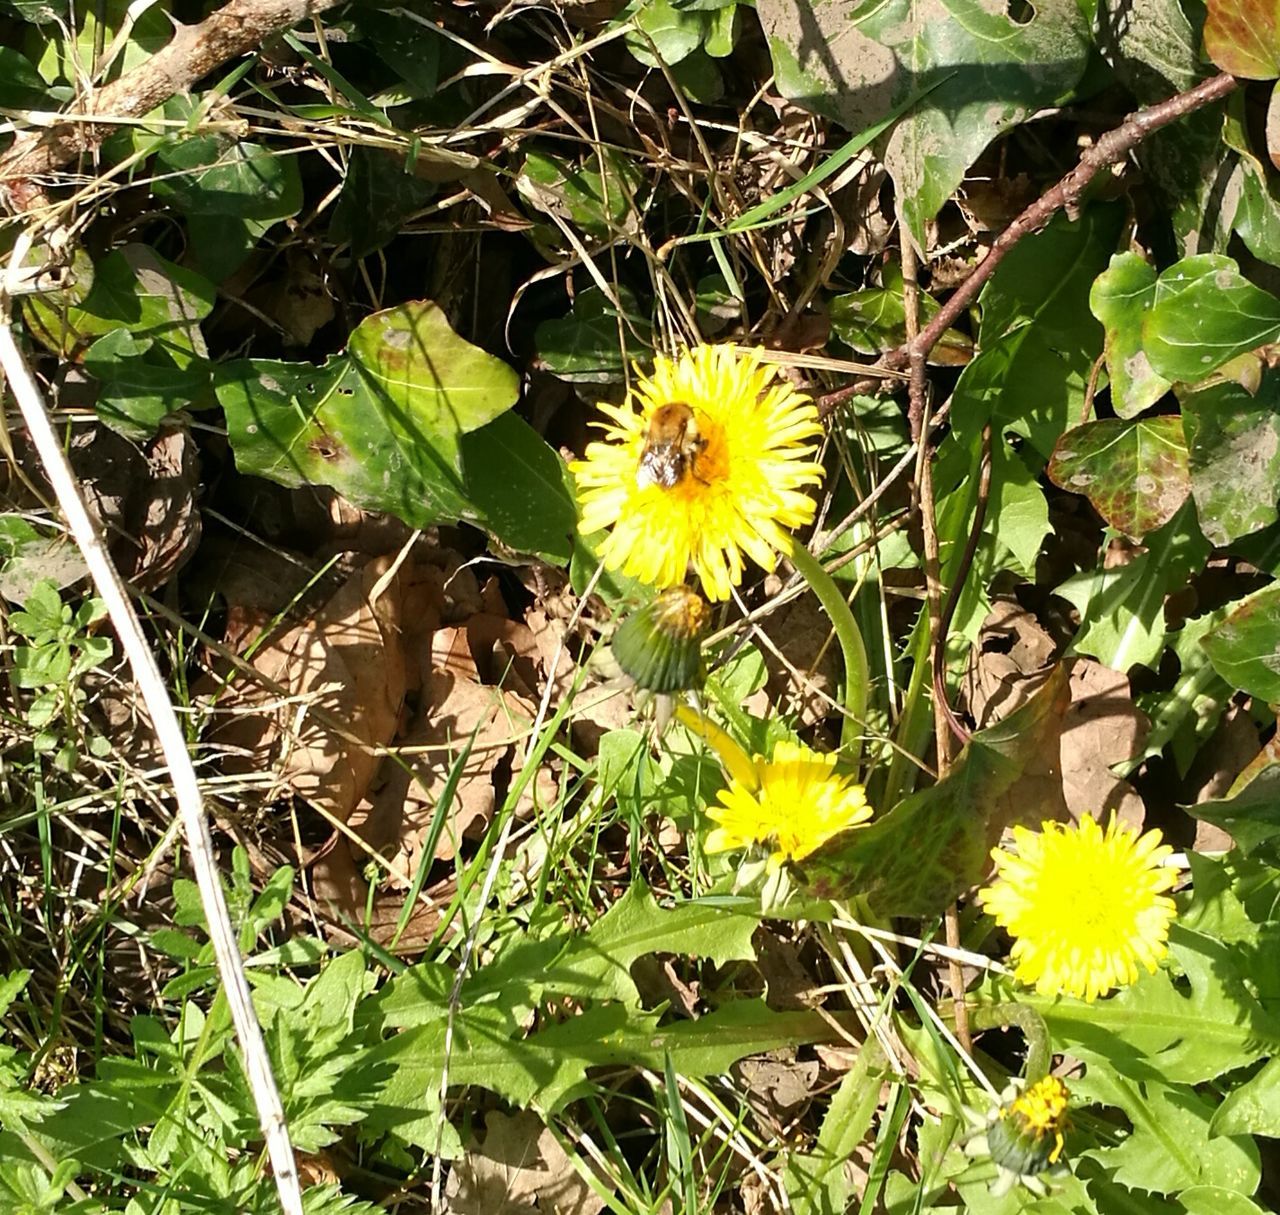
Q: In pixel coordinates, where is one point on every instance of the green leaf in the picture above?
(1177, 1034)
(21, 86)
(133, 289)
(378, 194)
(596, 196)
(874, 320)
(918, 857)
(384, 425)
(1217, 1200)
(855, 64)
(1120, 298)
(140, 387)
(518, 486)
(1122, 608)
(1205, 313)
(1245, 647)
(1233, 439)
(1135, 473)
(219, 175)
(1252, 1108)
(595, 343)
(544, 1069)
(675, 32)
(1252, 816)
(410, 48)
(1242, 38)
(1169, 1147)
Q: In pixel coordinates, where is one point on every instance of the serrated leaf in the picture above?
(1245, 647)
(991, 72)
(933, 845)
(1134, 472)
(1242, 38)
(1179, 1034)
(544, 1069)
(1252, 1108)
(1205, 313)
(1120, 298)
(1233, 441)
(1169, 1147)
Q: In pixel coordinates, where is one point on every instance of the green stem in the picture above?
(1002, 1016)
(857, 678)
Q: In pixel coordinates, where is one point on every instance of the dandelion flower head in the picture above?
(792, 803)
(1086, 907)
(741, 489)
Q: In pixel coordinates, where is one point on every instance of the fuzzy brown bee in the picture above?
(671, 447)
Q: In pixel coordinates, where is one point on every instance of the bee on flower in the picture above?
(705, 465)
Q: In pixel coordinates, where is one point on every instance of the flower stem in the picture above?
(1034, 1030)
(856, 675)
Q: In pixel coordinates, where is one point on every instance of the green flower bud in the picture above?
(660, 644)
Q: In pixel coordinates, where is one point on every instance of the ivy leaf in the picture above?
(1245, 647)
(135, 289)
(1122, 608)
(1205, 313)
(595, 342)
(1120, 298)
(990, 73)
(140, 386)
(1242, 38)
(1233, 439)
(1135, 473)
(914, 860)
(378, 194)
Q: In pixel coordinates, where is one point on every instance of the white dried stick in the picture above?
(182, 773)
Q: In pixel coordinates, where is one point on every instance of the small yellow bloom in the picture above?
(748, 456)
(794, 803)
(1024, 1136)
(1085, 907)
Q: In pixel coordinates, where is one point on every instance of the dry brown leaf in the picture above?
(347, 663)
(803, 682)
(519, 1169)
(1011, 646)
(1102, 728)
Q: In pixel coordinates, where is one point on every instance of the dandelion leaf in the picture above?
(933, 845)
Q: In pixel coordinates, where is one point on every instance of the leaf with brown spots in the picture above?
(1241, 37)
(933, 845)
(1134, 473)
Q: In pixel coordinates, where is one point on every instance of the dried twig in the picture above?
(1110, 149)
(173, 743)
(193, 52)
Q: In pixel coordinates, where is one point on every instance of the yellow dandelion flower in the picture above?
(1085, 907)
(793, 803)
(704, 465)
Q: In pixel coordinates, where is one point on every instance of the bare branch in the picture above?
(194, 51)
(1110, 149)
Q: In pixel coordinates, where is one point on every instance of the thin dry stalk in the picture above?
(169, 734)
